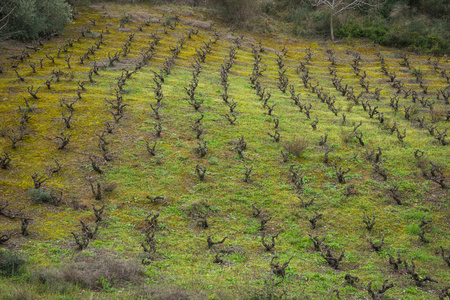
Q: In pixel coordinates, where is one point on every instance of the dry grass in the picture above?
(199, 24)
(296, 146)
(89, 271)
(437, 113)
(166, 293)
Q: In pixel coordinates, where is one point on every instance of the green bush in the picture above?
(48, 280)
(420, 26)
(376, 34)
(236, 12)
(102, 272)
(309, 22)
(420, 35)
(10, 262)
(350, 29)
(40, 195)
(31, 19)
(373, 31)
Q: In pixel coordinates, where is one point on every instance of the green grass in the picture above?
(183, 261)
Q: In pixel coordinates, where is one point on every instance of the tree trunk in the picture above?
(331, 26)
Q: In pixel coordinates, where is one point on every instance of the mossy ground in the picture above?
(183, 257)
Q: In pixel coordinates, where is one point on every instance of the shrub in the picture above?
(375, 31)
(110, 187)
(237, 12)
(13, 293)
(437, 113)
(40, 195)
(308, 21)
(11, 262)
(436, 8)
(166, 292)
(296, 146)
(126, 18)
(350, 28)
(31, 19)
(169, 21)
(197, 208)
(268, 290)
(102, 272)
(346, 136)
(419, 26)
(415, 33)
(45, 276)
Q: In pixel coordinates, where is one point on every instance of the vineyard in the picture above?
(148, 153)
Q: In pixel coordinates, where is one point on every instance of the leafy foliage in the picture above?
(31, 19)
(40, 195)
(420, 26)
(417, 35)
(237, 12)
(11, 262)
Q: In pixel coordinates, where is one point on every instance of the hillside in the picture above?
(327, 156)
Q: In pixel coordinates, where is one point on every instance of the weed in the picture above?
(11, 262)
(296, 146)
(105, 285)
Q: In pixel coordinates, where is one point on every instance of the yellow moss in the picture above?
(139, 175)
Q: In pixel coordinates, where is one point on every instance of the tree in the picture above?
(338, 6)
(4, 22)
(31, 19)
(236, 12)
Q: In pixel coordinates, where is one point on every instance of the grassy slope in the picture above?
(184, 259)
